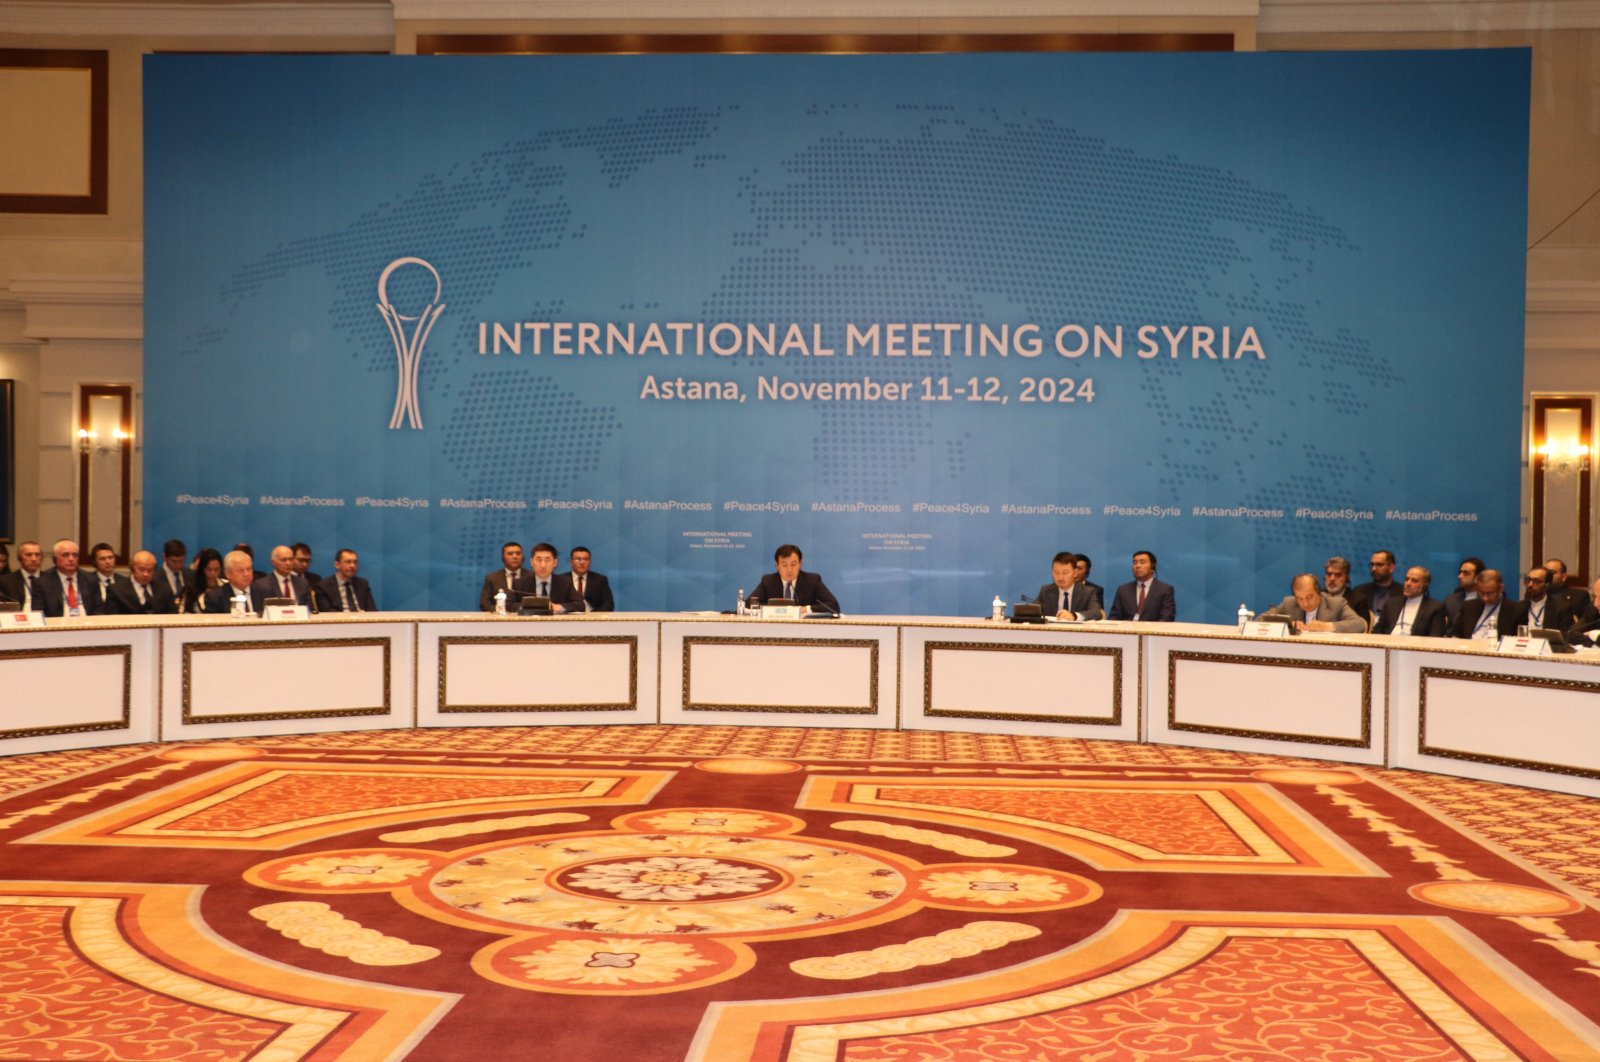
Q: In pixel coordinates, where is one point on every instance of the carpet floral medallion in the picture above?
(706, 896)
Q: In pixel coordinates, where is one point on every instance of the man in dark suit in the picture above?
(1310, 609)
(104, 559)
(1578, 600)
(1489, 615)
(284, 580)
(344, 590)
(238, 576)
(174, 567)
(66, 589)
(1382, 587)
(1412, 613)
(805, 589)
(302, 563)
(26, 584)
(511, 577)
(1466, 590)
(1586, 625)
(1146, 598)
(1084, 566)
(1540, 606)
(590, 587)
(1065, 597)
(544, 582)
(1336, 583)
(143, 593)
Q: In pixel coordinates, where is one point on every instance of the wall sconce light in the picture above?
(1564, 457)
(91, 441)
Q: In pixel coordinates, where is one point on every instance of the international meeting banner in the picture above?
(931, 317)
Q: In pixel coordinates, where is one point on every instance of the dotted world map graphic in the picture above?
(831, 202)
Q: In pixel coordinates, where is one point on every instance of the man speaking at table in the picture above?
(805, 589)
(1065, 598)
(1312, 610)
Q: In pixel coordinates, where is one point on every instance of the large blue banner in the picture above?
(933, 318)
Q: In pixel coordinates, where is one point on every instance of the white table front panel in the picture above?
(1502, 719)
(240, 679)
(74, 687)
(572, 671)
(1021, 679)
(1296, 697)
(763, 673)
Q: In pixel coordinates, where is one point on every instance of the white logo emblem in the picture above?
(408, 349)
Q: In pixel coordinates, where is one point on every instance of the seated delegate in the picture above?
(1312, 610)
(805, 589)
(1065, 597)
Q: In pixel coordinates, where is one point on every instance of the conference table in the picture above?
(1441, 705)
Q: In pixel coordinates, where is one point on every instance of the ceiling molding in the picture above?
(1564, 296)
(766, 10)
(374, 19)
(77, 307)
(1422, 16)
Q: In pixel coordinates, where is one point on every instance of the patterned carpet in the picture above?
(713, 893)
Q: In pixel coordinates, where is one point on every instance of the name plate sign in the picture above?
(1524, 646)
(21, 620)
(286, 613)
(780, 612)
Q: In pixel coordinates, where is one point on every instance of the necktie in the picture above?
(33, 591)
(288, 591)
(72, 592)
(349, 598)
(138, 588)
(580, 586)
(788, 591)
(544, 588)
(1140, 606)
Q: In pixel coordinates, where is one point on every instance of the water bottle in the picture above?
(241, 605)
(738, 608)
(997, 609)
(1245, 616)
(499, 602)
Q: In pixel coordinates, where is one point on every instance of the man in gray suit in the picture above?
(1312, 610)
(285, 579)
(1066, 598)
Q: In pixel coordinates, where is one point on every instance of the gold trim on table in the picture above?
(1114, 652)
(124, 651)
(630, 640)
(870, 644)
(1364, 669)
(190, 648)
(1567, 685)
